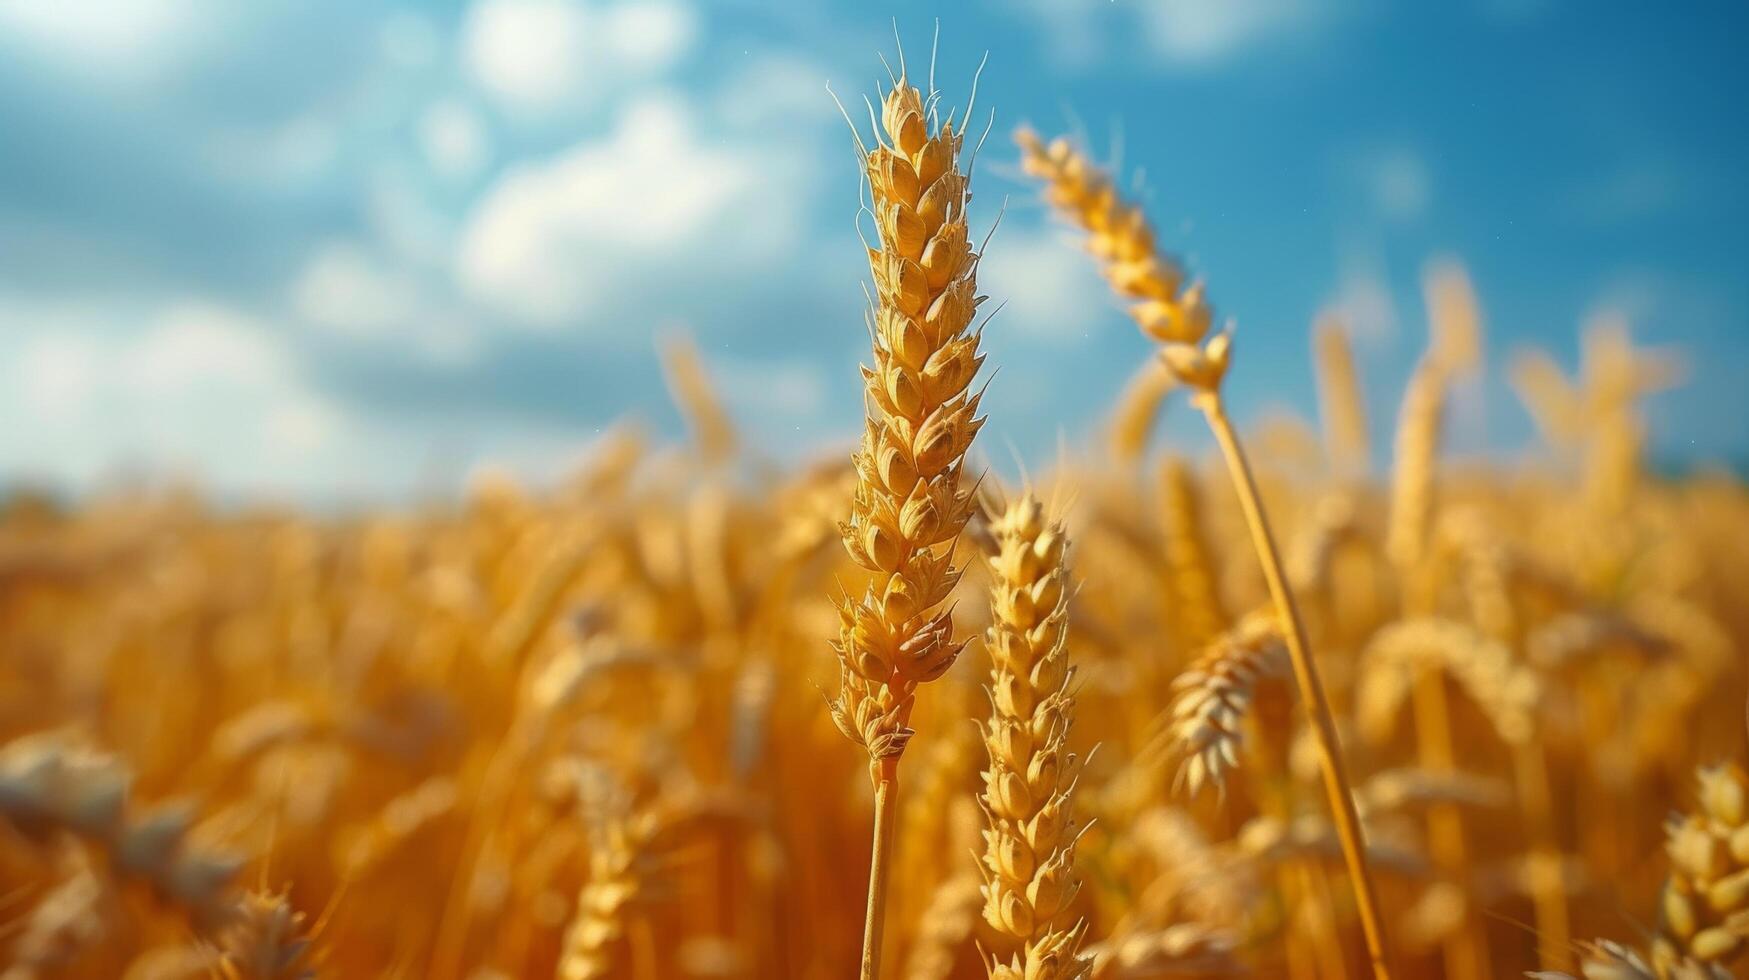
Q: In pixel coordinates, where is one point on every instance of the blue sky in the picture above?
(344, 249)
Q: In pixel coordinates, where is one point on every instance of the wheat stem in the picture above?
(1336, 784)
(1547, 892)
(885, 812)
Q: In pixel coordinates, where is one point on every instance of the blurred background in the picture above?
(347, 251)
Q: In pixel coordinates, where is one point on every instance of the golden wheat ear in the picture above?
(1030, 829)
(910, 505)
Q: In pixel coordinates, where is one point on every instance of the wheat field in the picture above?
(1267, 711)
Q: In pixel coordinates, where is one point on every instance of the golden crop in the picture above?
(1226, 716)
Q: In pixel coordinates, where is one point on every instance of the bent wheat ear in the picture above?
(1180, 321)
(1505, 690)
(1213, 696)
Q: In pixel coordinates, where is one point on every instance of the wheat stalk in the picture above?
(1197, 615)
(628, 841)
(1137, 410)
(1029, 842)
(1454, 348)
(1412, 468)
(1340, 404)
(699, 403)
(908, 506)
(1119, 236)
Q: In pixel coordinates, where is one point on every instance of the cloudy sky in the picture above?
(350, 249)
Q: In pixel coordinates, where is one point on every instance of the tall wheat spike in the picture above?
(697, 398)
(1454, 348)
(909, 505)
(1213, 696)
(1029, 843)
(1197, 614)
(1341, 406)
(1120, 237)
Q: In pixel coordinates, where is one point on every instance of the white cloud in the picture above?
(200, 386)
(1392, 178)
(1363, 297)
(301, 149)
(197, 343)
(1400, 184)
(57, 376)
(775, 89)
(345, 288)
(770, 388)
(1646, 187)
(406, 220)
(1201, 32)
(549, 239)
(545, 55)
(650, 35)
(1050, 291)
(409, 39)
(454, 139)
(351, 291)
(527, 51)
(119, 33)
